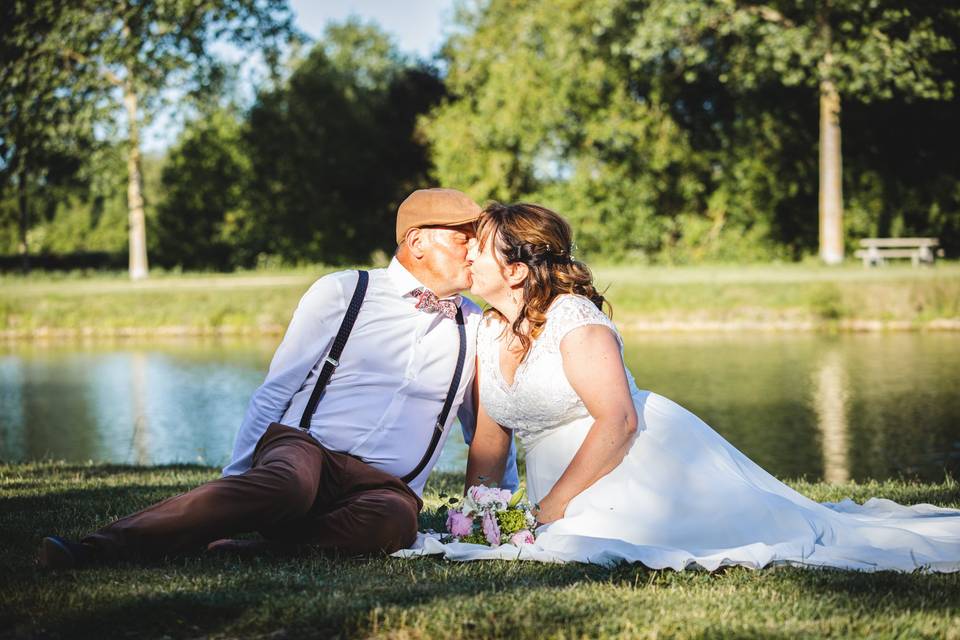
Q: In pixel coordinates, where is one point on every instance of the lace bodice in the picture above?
(540, 398)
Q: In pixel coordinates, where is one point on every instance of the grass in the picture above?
(788, 295)
(323, 596)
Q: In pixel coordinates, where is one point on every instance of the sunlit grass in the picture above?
(313, 595)
(803, 296)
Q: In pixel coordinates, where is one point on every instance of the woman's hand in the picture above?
(549, 511)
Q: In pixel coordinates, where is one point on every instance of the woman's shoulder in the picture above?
(570, 311)
(573, 304)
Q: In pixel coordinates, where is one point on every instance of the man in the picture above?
(351, 479)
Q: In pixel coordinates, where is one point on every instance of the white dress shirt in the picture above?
(384, 398)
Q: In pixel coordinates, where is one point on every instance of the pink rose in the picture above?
(486, 497)
(521, 537)
(478, 492)
(458, 524)
(491, 530)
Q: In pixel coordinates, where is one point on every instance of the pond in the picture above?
(852, 406)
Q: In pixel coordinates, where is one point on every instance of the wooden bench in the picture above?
(875, 251)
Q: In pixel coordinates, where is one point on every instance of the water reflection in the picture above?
(850, 406)
(833, 408)
(830, 390)
(140, 441)
(175, 401)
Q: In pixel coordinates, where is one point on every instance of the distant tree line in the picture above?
(666, 130)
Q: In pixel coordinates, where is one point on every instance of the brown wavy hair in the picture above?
(542, 240)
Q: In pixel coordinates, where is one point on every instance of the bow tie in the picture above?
(427, 301)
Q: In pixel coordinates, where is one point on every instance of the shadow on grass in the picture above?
(318, 595)
(315, 596)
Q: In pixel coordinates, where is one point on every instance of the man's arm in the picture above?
(308, 338)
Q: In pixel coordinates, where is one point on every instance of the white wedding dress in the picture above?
(683, 496)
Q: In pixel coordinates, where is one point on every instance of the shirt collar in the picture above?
(405, 282)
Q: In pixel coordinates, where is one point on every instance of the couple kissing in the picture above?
(337, 443)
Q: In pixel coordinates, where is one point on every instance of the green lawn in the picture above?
(790, 295)
(319, 596)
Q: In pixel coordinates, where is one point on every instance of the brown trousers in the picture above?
(296, 492)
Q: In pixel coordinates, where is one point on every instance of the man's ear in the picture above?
(517, 272)
(415, 242)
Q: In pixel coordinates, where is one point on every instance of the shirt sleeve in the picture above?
(306, 342)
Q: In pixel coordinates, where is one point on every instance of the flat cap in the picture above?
(428, 207)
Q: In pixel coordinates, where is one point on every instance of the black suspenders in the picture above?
(333, 360)
(451, 392)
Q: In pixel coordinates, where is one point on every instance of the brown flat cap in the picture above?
(428, 207)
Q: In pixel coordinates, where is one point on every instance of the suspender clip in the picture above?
(438, 426)
(332, 361)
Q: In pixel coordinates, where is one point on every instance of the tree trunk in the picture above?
(23, 203)
(138, 229)
(831, 167)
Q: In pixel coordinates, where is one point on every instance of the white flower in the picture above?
(469, 506)
(531, 519)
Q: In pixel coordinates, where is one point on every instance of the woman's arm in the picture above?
(594, 367)
(491, 443)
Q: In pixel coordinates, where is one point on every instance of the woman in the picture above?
(616, 473)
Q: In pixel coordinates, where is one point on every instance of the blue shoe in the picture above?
(59, 553)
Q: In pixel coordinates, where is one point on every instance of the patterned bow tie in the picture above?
(427, 301)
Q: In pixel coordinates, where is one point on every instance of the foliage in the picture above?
(673, 131)
(200, 219)
(89, 212)
(46, 120)
(688, 130)
(313, 172)
(133, 50)
(333, 151)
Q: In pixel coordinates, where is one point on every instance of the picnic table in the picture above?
(875, 251)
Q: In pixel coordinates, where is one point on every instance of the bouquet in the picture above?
(489, 516)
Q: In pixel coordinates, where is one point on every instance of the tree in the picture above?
(334, 150)
(863, 50)
(135, 49)
(678, 129)
(201, 218)
(46, 118)
(543, 106)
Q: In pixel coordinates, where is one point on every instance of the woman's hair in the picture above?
(541, 239)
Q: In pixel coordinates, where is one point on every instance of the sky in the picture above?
(417, 26)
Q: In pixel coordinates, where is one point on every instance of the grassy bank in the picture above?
(318, 596)
(657, 298)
